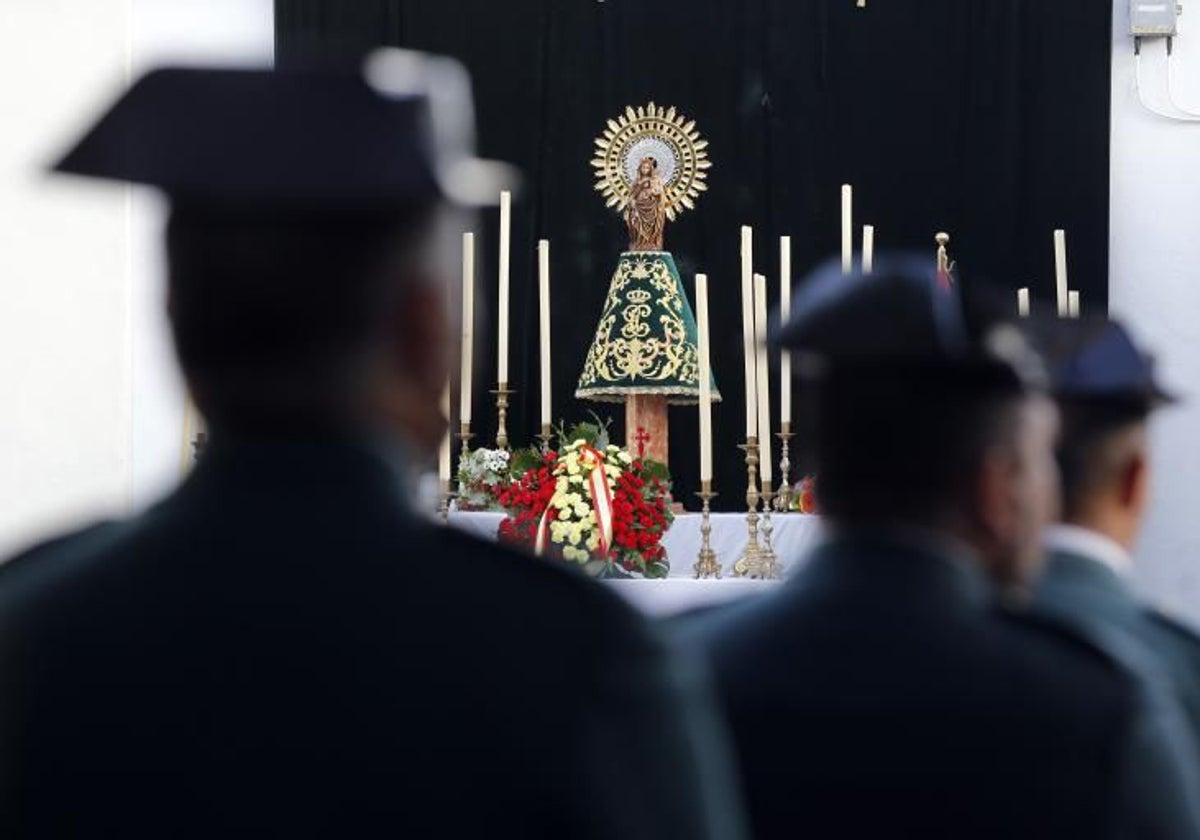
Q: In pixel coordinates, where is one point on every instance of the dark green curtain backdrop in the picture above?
(984, 118)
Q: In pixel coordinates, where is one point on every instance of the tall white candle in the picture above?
(868, 254)
(764, 384)
(748, 329)
(785, 307)
(1060, 270)
(502, 306)
(468, 328)
(544, 300)
(847, 228)
(1023, 302)
(1073, 304)
(706, 468)
(444, 447)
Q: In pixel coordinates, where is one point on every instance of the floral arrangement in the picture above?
(804, 499)
(481, 472)
(590, 503)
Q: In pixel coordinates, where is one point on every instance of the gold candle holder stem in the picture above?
(783, 498)
(502, 393)
(707, 565)
(768, 564)
(544, 436)
(464, 435)
(746, 565)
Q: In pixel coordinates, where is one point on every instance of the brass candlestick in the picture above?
(464, 435)
(707, 565)
(768, 564)
(748, 562)
(444, 497)
(544, 436)
(502, 393)
(783, 499)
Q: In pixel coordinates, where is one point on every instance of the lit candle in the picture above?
(748, 329)
(764, 385)
(1060, 270)
(706, 469)
(1023, 302)
(468, 328)
(502, 306)
(785, 306)
(444, 448)
(847, 229)
(868, 255)
(1073, 304)
(544, 298)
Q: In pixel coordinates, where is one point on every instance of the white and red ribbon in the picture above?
(602, 503)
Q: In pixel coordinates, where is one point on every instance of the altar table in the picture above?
(794, 535)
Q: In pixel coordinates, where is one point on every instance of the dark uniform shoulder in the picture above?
(80, 541)
(1057, 637)
(556, 587)
(1180, 630)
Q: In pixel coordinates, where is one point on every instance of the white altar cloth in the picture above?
(793, 536)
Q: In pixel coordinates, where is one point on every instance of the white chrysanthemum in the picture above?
(625, 457)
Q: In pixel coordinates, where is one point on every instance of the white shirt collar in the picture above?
(1088, 543)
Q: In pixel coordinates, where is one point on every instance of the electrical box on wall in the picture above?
(1153, 17)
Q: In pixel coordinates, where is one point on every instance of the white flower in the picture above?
(624, 457)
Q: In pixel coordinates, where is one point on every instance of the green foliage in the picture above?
(593, 434)
(524, 460)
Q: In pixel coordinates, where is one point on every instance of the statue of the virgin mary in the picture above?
(650, 165)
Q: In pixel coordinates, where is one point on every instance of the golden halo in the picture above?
(661, 133)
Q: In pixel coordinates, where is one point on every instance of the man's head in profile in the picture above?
(931, 415)
(307, 244)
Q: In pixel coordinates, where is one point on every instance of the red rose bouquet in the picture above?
(590, 503)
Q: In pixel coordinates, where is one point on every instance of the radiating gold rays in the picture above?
(662, 131)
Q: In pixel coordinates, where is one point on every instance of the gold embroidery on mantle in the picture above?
(642, 343)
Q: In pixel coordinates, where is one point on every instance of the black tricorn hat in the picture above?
(1096, 359)
(899, 321)
(396, 131)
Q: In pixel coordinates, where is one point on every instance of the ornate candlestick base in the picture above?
(544, 436)
(768, 566)
(783, 499)
(464, 435)
(748, 562)
(444, 497)
(707, 565)
(502, 393)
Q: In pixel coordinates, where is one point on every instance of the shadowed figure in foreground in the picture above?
(281, 647)
(886, 690)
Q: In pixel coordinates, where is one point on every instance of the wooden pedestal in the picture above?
(646, 425)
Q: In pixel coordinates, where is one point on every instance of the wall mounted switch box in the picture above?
(1150, 18)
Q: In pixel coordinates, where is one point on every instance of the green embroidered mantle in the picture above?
(646, 340)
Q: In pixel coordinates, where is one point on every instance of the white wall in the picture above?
(64, 253)
(1155, 287)
(90, 406)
